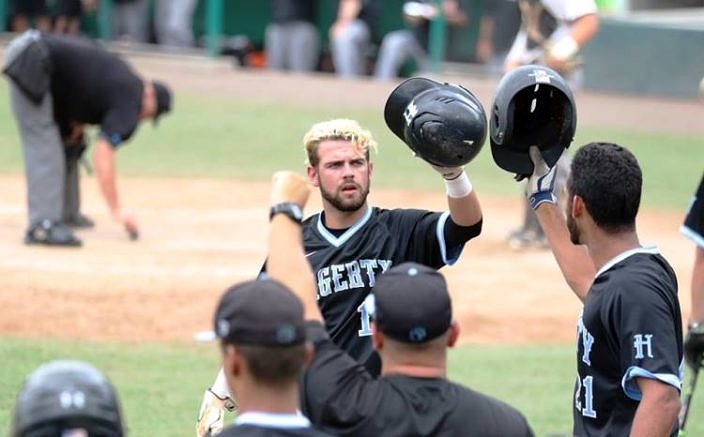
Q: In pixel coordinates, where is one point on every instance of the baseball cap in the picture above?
(260, 312)
(412, 304)
(163, 99)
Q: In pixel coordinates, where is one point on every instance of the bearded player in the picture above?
(349, 243)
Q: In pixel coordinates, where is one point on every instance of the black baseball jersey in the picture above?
(341, 397)
(630, 327)
(261, 424)
(693, 226)
(93, 86)
(345, 266)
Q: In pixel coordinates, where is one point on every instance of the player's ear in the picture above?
(377, 337)
(231, 360)
(577, 206)
(453, 333)
(312, 173)
(309, 352)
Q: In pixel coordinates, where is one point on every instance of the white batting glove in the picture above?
(542, 182)
(211, 417)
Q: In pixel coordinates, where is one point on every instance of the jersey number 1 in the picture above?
(366, 326)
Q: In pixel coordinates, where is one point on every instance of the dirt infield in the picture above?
(193, 244)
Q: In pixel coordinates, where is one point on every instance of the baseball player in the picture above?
(412, 327)
(629, 334)
(67, 398)
(350, 243)
(552, 32)
(58, 84)
(693, 228)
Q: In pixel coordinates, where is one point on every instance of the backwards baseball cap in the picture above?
(163, 99)
(412, 304)
(260, 312)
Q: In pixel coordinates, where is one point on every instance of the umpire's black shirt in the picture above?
(342, 398)
(90, 85)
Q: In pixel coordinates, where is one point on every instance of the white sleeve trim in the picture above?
(630, 388)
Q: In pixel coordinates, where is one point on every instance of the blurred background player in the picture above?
(351, 35)
(693, 228)
(173, 22)
(29, 14)
(69, 13)
(497, 30)
(67, 398)
(552, 33)
(411, 44)
(291, 39)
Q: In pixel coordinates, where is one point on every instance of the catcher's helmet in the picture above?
(63, 395)
(442, 123)
(533, 106)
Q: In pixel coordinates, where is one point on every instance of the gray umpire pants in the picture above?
(293, 46)
(42, 148)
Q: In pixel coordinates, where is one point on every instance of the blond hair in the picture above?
(338, 129)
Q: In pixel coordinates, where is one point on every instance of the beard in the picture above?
(341, 203)
(574, 231)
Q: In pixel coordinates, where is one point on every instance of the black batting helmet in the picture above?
(64, 395)
(533, 106)
(442, 123)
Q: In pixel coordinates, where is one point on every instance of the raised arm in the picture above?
(286, 260)
(574, 261)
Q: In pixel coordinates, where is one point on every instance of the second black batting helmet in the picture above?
(442, 123)
(65, 395)
(532, 106)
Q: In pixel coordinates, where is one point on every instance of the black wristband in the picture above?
(290, 209)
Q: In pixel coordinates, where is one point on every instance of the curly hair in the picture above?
(609, 180)
(337, 129)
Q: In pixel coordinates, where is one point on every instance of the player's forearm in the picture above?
(104, 163)
(574, 261)
(584, 29)
(465, 211)
(287, 263)
(697, 314)
(657, 411)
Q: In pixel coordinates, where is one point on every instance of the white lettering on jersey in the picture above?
(587, 342)
(640, 342)
(358, 274)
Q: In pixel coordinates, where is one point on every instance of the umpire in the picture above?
(58, 84)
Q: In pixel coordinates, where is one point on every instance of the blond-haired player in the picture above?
(349, 243)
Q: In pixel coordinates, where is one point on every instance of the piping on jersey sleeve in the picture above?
(447, 258)
(339, 241)
(630, 387)
(692, 235)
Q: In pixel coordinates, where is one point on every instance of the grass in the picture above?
(160, 384)
(226, 138)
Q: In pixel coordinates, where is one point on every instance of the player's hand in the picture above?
(542, 182)
(211, 417)
(288, 186)
(128, 220)
(694, 345)
(448, 173)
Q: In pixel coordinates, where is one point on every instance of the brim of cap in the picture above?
(399, 99)
(520, 162)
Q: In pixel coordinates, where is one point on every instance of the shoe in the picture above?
(522, 239)
(50, 233)
(79, 221)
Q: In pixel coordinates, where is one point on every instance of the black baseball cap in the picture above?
(412, 304)
(163, 99)
(260, 312)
